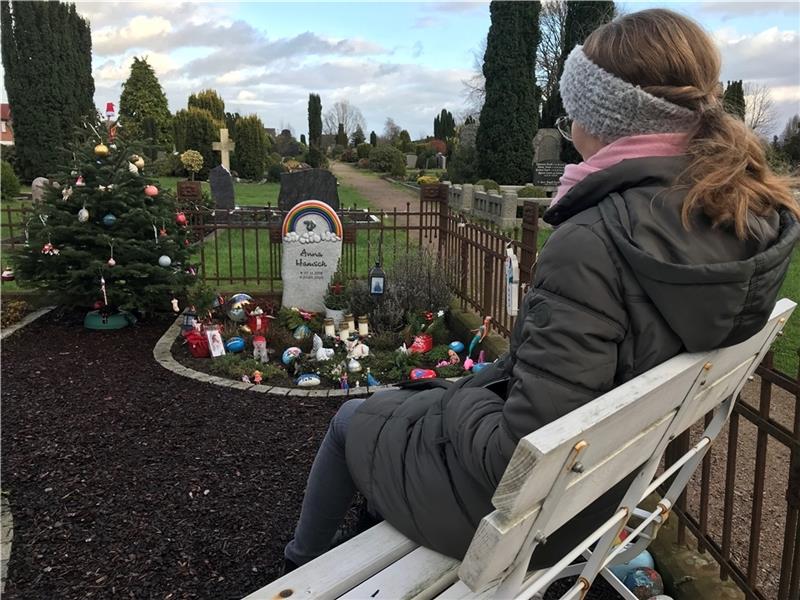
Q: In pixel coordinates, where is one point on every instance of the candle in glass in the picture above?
(363, 326)
(330, 329)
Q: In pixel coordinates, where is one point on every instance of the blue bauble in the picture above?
(234, 344)
(478, 367)
(237, 307)
(109, 220)
(644, 559)
(301, 332)
(644, 583)
(456, 346)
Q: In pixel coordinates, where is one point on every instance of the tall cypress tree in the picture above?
(341, 136)
(314, 119)
(733, 99)
(47, 57)
(143, 105)
(211, 101)
(195, 129)
(373, 139)
(444, 125)
(582, 19)
(509, 116)
(251, 147)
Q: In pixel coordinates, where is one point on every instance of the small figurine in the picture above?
(354, 366)
(356, 349)
(480, 333)
(257, 377)
(320, 353)
(468, 363)
(371, 381)
(246, 379)
(175, 307)
(260, 349)
(343, 381)
(453, 357)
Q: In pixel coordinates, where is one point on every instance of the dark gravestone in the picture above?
(221, 184)
(189, 194)
(310, 184)
(548, 173)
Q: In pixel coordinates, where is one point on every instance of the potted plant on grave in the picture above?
(336, 299)
(190, 189)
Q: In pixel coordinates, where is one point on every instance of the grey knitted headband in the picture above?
(610, 108)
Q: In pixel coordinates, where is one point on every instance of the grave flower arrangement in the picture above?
(398, 336)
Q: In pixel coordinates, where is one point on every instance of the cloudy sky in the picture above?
(401, 60)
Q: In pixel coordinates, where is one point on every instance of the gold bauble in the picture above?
(101, 150)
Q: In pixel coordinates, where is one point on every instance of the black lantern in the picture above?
(377, 280)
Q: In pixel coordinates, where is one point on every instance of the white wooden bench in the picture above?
(555, 472)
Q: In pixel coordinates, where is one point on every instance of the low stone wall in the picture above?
(498, 207)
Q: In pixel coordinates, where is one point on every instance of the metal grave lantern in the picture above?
(377, 280)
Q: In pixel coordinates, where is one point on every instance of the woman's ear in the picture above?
(585, 143)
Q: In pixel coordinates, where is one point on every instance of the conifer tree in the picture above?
(733, 99)
(341, 136)
(143, 109)
(314, 119)
(303, 139)
(509, 115)
(195, 129)
(211, 101)
(47, 59)
(373, 139)
(251, 147)
(444, 125)
(109, 221)
(358, 137)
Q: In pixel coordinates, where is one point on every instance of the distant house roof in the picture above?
(5, 112)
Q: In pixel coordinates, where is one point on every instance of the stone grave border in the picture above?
(26, 320)
(162, 352)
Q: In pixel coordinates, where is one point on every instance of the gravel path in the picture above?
(380, 193)
(126, 480)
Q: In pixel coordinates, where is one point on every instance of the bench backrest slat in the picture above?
(616, 433)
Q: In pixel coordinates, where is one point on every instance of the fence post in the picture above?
(488, 284)
(530, 233)
(444, 217)
(464, 269)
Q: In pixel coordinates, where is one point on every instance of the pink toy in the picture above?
(256, 377)
(422, 343)
(468, 363)
(260, 349)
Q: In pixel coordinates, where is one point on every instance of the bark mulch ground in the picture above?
(128, 481)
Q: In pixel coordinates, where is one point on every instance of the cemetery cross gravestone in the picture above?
(312, 248)
(308, 184)
(224, 146)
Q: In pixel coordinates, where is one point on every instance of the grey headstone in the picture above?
(547, 146)
(310, 184)
(441, 161)
(411, 161)
(310, 257)
(38, 187)
(221, 184)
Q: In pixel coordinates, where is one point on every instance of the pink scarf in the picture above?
(635, 146)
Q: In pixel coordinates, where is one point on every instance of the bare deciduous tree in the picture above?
(759, 110)
(475, 86)
(548, 55)
(391, 131)
(345, 113)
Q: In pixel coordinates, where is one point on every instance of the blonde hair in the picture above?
(670, 56)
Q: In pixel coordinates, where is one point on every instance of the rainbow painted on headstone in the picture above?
(312, 207)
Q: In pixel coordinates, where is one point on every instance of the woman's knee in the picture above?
(341, 420)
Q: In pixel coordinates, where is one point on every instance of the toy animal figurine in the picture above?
(320, 353)
(257, 377)
(480, 333)
(246, 379)
(356, 349)
(260, 349)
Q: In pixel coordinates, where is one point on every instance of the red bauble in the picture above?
(180, 219)
(151, 191)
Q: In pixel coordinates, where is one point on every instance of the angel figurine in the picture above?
(480, 333)
(320, 353)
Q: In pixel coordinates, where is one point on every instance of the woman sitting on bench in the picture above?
(672, 235)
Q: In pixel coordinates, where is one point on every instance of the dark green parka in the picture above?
(620, 287)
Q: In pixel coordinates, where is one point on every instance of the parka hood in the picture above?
(706, 298)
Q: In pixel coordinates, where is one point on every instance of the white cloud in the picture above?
(140, 30)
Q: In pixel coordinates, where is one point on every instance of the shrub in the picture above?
(363, 163)
(362, 302)
(349, 155)
(384, 158)
(419, 282)
(488, 184)
(337, 151)
(363, 150)
(387, 340)
(531, 191)
(315, 158)
(251, 147)
(427, 180)
(463, 165)
(438, 146)
(398, 168)
(274, 171)
(387, 316)
(426, 159)
(9, 184)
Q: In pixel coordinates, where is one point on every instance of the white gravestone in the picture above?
(312, 247)
(224, 146)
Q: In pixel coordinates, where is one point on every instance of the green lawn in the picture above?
(787, 347)
(261, 194)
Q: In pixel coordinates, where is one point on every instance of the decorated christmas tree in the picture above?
(105, 237)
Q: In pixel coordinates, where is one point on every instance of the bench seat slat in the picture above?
(417, 576)
(342, 568)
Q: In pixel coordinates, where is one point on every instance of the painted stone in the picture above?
(234, 344)
(644, 583)
(422, 374)
(457, 346)
(308, 380)
(290, 354)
